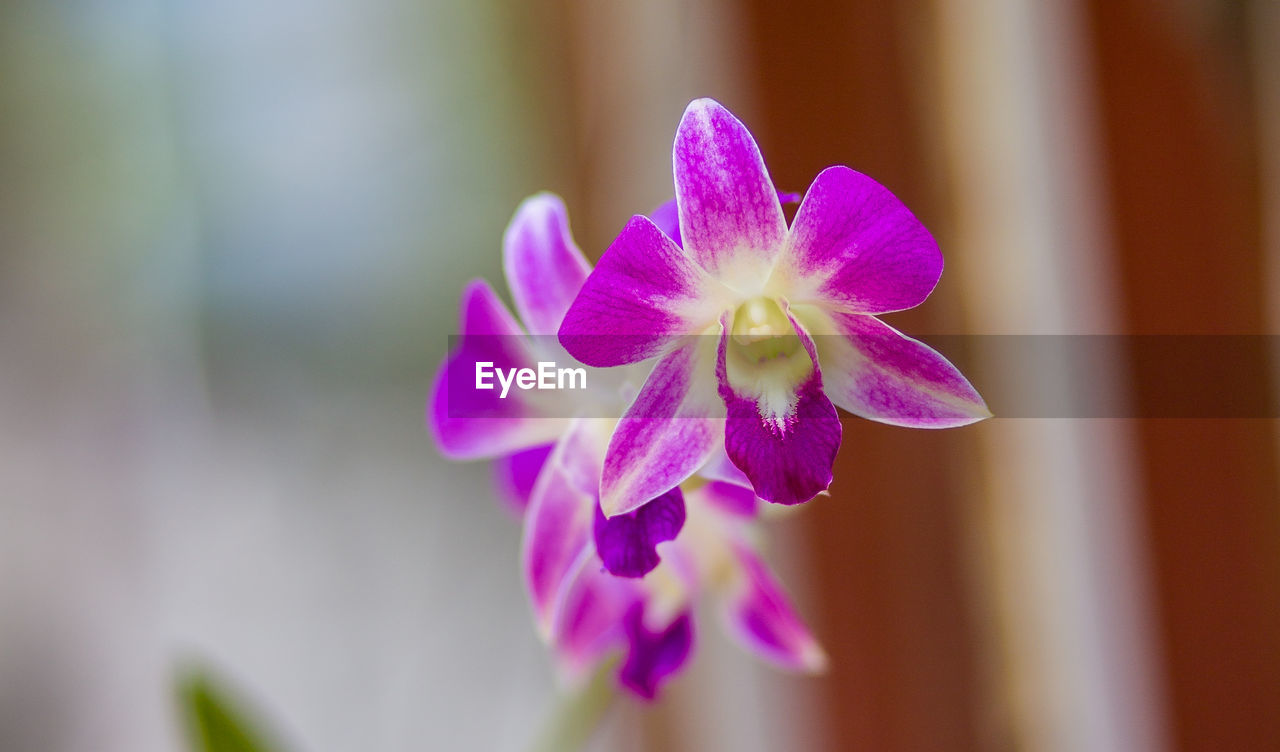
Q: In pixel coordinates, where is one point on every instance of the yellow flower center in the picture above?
(761, 331)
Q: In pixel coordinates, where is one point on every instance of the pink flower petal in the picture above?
(731, 498)
(667, 218)
(628, 543)
(786, 454)
(721, 468)
(515, 475)
(557, 526)
(729, 210)
(642, 295)
(544, 267)
(667, 215)
(855, 247)
(760, 617)
(470, 423)
(654, 655)
(667, 433)
(588, 621)
(875, 371)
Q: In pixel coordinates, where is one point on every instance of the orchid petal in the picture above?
(642, 295)
(667, 218)
(515, 474)
(470, 423)
(543, 265)
(588, 621)
(627, 543)
(877, 372)
(654, 655)
(729, 210)
(720, 468)
(731, 498)
(761, 618)
(786, 449)
(666, 434)
(855, 247)
(558, 519)
(667, 215)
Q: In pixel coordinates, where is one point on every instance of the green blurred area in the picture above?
(215, 720)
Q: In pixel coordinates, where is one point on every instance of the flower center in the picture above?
(761, 331)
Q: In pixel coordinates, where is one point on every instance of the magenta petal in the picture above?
(729, 210)
(788, 463)
(730, 498)
(470, 423)
(628, 543)
(877, 372)
(667, 433)
(544, 267)
(654, 656)
(557, 526)
(788, 467)
(642, 295)
(589, 619)
(667, 218)
(515, 474)
(760, 617)
(856, 247)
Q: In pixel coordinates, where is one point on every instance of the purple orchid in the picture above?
(594, 613)
(599, 586)
(740, 312)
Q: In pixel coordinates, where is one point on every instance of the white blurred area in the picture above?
(232, 239)
(232, 236)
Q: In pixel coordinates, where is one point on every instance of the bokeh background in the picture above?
(232, 239)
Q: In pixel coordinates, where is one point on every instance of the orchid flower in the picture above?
(593, 611)
(769, 326)
(599, 586)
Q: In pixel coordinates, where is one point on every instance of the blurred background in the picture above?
(232, 241)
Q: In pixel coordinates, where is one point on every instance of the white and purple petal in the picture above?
(471, 423)
(667, 218)
(589, 618)
(874, 371)
(731, 221)
(557, 527)
(720, 468)
(667, 215)
(544, 267)
(644, 294)
(856, 248)
(628, 543)
(667, 433)
(759, 615)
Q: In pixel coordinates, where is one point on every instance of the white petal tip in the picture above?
(813, 659)
(614, 504)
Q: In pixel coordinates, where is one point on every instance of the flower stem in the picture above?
(578, 715)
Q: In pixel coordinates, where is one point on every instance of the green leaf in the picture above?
(216, 722)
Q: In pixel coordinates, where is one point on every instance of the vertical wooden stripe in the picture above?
(1181, 150)
(833, 86)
